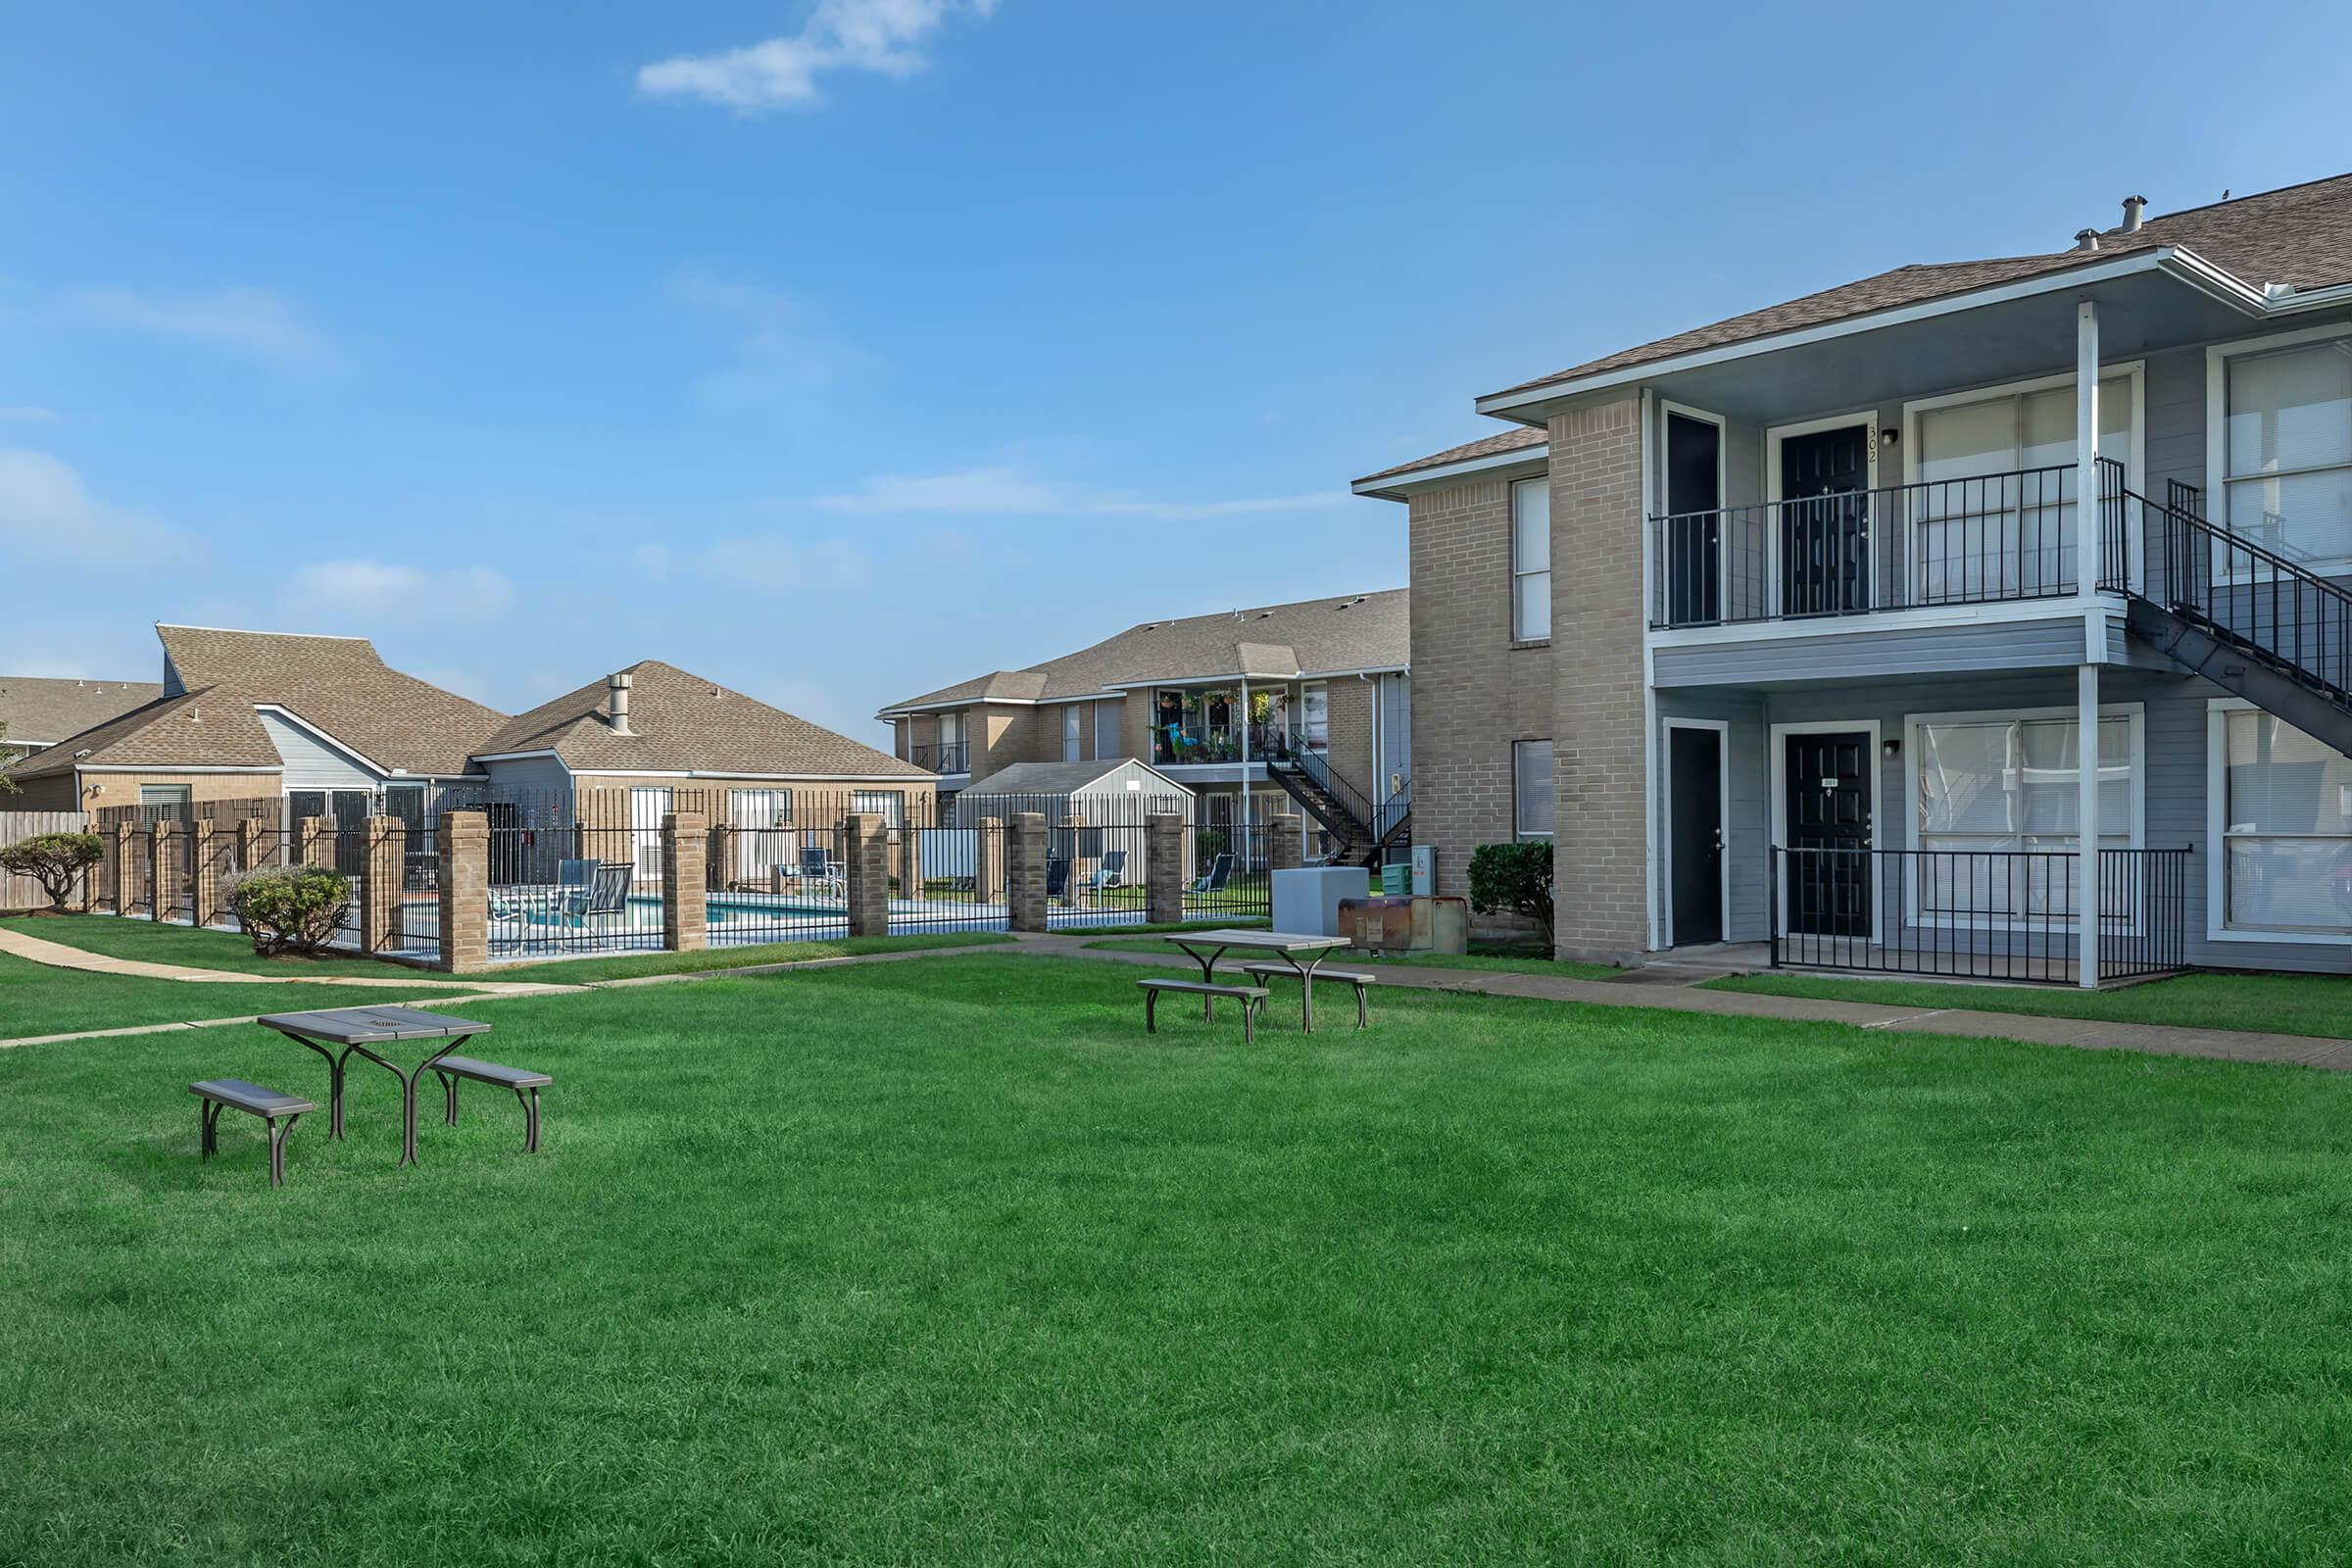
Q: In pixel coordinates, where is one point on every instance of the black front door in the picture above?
(1694, 506)
(1827, 873)
(1824, 523)
(1694, 802)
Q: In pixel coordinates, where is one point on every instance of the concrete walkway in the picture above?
(59, 956)
(2082, 1033)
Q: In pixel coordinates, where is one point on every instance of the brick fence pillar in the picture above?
(170, 857)
(464, 891)
(1025, 871)
(987, 859)
(126, 868)
(685, 872)
(867, 838)
(314, 840)
(1285, 841)
(383, 875)
(1163, 868)
(204, 872)
(253, 847)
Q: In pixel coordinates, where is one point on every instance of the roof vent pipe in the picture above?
(2134, 207)
(619, 683)
(2087, 239)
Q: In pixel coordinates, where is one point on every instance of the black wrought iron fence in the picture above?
(558, 885)
(1986, 914)
(1227, 872)
(782, 883)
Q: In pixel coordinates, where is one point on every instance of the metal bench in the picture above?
(1251, 998)
(1284, 971)
(216, 1093)
(525, 1084)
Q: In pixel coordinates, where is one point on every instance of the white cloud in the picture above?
(880, 37)
(251, 320)
(46, 509)
(24, 414)
(781, 345)
(379, 592)
(819, 567)
(1010, 490)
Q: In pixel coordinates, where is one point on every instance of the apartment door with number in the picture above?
(1828, 796)
(1825, 521)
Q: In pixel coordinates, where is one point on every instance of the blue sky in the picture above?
(839, 351)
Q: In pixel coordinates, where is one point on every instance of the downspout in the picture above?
(1244, 769)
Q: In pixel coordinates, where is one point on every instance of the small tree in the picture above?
(294, 911)
(1515, 878)
(53, 860)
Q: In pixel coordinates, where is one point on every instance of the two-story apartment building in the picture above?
(1308, 702)
(1792, 626)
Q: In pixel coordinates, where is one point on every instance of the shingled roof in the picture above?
(682, 723)
(1519, 438)
(1354, 631)
(39, 710)
(340, 686)
(2300, 236)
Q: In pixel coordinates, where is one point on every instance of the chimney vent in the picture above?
(618, 684)
(2087, 239)
(2134, 207)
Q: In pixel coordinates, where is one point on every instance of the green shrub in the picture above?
(1515, 878)
(293, 910)
(53, 860)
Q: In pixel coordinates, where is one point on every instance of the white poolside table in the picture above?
(1303, 951)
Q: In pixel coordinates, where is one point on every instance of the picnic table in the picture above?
(1205, 947)
(356, 1029)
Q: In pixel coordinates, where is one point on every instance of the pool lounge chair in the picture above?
(605, 895)
(1213, 880)
(1110, 872)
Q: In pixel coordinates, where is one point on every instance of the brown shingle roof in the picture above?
(1517, 439)
(682, 723)
(190, 730)
(2300, 236)
(41, 711)
(1354, 631)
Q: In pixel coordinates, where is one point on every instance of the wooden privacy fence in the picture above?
(22, 891)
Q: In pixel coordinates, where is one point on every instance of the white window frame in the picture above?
(1073, 732)
(2136, 462)
(1110, 717)
(2217, 839)
(2136, 839)
(1526, 835)
(1520, 634)
(2217, 437)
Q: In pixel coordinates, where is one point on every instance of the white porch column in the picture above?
(2087, 815)
(2088, 552)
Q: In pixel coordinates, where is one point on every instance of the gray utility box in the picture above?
(1308, 901)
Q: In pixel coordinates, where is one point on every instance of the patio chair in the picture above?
(1213, 880)
(1057, 877)
(606, 894)
(1109, 873)
(817, 865)
(573, 881)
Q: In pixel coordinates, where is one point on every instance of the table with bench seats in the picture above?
(1302, 952)
(359, 1030)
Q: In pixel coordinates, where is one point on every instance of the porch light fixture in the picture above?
(1892, 746)
(1889, 436)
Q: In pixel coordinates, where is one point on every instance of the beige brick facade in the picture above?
(1601, 850)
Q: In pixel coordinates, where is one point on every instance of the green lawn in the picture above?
(38, 999)
(949, 1262)
(163, 943)
(577, 971)
(2277, 1003)
(1496, 961)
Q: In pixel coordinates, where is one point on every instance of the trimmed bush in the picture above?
(1515, 878)
(53, 860)
(294, 911)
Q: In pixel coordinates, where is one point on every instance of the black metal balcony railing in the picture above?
(1986, 914)
(1217, 743)
(951, 757)
(1980, 540)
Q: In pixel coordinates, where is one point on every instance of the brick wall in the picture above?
(1350, 734)
(1474, 693)
(1600, 856)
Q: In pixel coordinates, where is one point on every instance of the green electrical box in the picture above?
(1396, 881)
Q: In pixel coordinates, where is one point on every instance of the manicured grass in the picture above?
(577, 971)
(2276, 1003)
(949, 1262)
(163, 943)
(1503, 962)
(38, 999)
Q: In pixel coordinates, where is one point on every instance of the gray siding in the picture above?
(539, 774)
(1993, 644)
(310, 764)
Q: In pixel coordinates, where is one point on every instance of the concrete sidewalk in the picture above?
(2082, 1033)
(60, 955)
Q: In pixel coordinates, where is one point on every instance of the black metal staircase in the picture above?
(1362, 833)
(2246, 619)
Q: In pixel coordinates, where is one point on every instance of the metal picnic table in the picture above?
(356, 1029)
(1287, 946)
